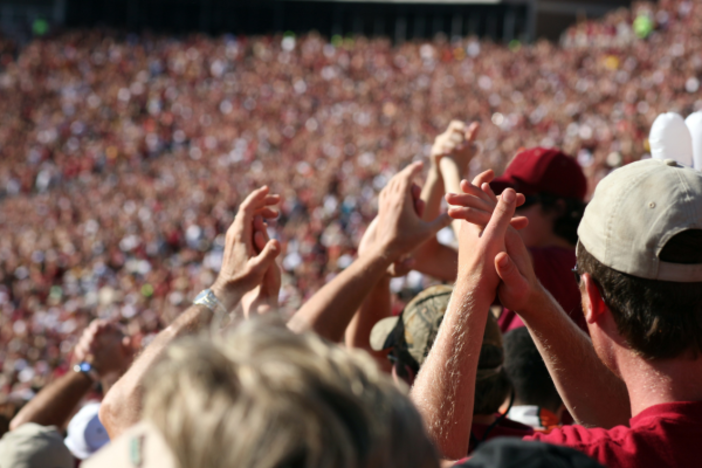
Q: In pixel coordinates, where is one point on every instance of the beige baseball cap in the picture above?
(142, 446)
(635, 211)
(34, 446)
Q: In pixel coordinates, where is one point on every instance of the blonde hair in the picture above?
(264, 397)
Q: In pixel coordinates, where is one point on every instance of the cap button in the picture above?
(670, 162)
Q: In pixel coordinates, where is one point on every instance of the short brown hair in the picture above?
(658, 319)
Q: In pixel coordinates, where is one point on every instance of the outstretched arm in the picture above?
(104, 346)
(242, 270)
(591, 392)
(451, 153)
(444, 390)
(399, 230)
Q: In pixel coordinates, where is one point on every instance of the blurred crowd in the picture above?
(124, 157)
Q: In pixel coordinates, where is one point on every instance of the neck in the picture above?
(662, 381)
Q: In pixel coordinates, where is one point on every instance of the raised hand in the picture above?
(263, 298)
(476, 205)
(243, 267)
(104, 345)
(400, 228)
(458, 143)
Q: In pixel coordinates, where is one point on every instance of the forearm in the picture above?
(435, 259)
(330, 310)
(54, 405)
(375, 308)
(122, 406)
(444, 390)
(591, 392)
(432, 194)
(451, 175)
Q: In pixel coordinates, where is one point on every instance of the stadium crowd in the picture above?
(130, 181)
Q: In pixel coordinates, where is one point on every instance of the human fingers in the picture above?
(438, 224)
(484, 177)
(502, 216)
(472, 131)
(515, 287)
(469, 200)
(401, 267)
(456, 126)
(488, 191)
(261, 262)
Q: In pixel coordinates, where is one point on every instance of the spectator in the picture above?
(641, 299)
(554, 186)
(536, 400)
(266, 397)
(409, 338)
(511, 453)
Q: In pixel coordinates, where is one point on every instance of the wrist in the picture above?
(222, 297)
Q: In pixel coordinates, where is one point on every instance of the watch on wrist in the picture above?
(87, 369)
(208, 299)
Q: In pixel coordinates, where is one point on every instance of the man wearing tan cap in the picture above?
(636, 385)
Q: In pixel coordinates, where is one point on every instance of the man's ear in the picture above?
(593, 304)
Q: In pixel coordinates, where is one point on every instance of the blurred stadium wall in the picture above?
(500, 20)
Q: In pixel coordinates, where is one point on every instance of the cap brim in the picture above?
(500, 184)
(380, 332)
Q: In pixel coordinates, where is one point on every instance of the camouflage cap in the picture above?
(415, 329)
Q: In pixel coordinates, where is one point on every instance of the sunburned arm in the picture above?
(54, 405)
(331, 308)
(243, 269)
(591, 392)
(444, 390)
(375, 308)
(432, 193)
(121, 407)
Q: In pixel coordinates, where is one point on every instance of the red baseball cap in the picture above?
(542, 170)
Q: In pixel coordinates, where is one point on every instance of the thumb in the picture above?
(514, 282)
(439, 223)
(267, 255)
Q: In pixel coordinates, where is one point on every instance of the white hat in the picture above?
(86, 434)
(694, 124)
(635, 211)
(670, 139)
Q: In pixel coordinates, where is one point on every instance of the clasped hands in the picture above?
(491, 254)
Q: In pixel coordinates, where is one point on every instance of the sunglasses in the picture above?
(576, 274)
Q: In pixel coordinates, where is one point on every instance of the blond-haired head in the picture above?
(264, 397)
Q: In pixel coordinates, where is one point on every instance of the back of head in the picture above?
(641, 241)
(527, 371)
(411, 336)
(265, 397)
(514, 453)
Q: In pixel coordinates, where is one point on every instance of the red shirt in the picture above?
(552, 266)
(664, 435)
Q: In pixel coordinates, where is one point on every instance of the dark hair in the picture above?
(526, 369)
(571, 211)
(490, 393)
(658, 319)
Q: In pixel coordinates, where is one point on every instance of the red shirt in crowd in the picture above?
(552, 266)
(663, 435)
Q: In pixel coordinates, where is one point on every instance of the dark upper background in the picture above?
(500, 20)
